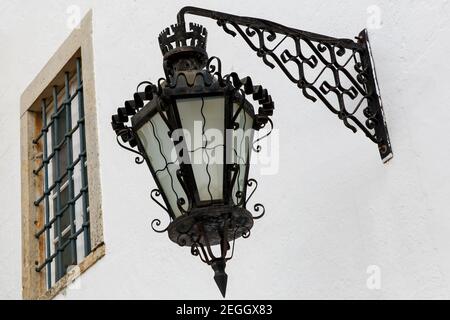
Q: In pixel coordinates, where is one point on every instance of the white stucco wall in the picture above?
(333, 208)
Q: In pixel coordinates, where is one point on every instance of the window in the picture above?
(62, 230)
(65, 192)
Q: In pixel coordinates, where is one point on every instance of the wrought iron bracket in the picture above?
(353, 95)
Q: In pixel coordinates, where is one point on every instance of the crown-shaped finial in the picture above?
(177, 36)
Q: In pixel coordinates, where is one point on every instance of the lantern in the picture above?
(195, 130)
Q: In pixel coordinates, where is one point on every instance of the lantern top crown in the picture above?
(177, 43)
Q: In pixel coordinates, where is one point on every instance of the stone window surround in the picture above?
(78, 44)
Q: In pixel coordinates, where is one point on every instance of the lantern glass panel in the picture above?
(203, 122)
(241, 144)
(161, 153)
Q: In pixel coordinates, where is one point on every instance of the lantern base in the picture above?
(210, 225)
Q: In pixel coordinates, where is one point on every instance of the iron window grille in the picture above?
(64, 195)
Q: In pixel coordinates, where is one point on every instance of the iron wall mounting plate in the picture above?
(263, 37)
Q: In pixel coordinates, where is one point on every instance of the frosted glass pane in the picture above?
(203, 120)
(241, 143)
(161, 153)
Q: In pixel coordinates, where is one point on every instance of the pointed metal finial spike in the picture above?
(221, 281)
(220, 277)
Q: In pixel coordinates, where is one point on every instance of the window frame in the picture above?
(77, 45)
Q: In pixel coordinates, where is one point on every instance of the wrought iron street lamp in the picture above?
(195, 127)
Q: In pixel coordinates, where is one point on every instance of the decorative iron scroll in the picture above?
(343, 75)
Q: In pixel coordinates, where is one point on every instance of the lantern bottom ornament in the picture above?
(195, 130)
(208, 227)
